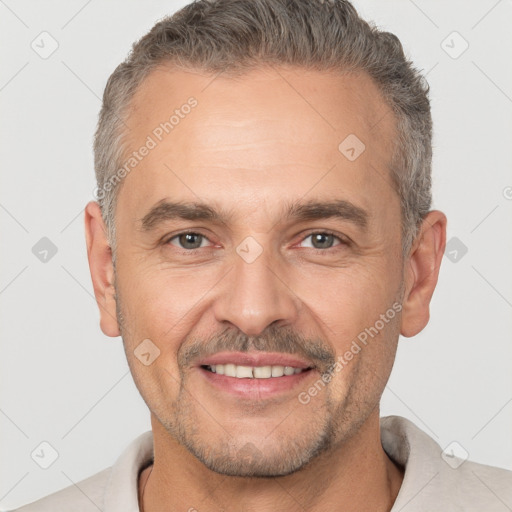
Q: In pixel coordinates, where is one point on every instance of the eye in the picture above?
(319, 240)
(323, 240)
(188, 240)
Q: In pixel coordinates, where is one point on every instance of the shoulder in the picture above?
(485, 485)
(84, 496)
(112, 489)
(438, 478)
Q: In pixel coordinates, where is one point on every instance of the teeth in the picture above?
(253, 372)
(262, 372)
(243, 371)
(230, 370)
(277, 371)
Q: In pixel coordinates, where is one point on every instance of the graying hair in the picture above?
(233, 36)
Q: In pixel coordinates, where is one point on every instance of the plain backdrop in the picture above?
(63, 382)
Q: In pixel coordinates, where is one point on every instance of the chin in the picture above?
(258, 458)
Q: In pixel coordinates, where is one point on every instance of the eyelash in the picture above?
(343, 241)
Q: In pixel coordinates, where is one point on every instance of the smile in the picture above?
(253, 372)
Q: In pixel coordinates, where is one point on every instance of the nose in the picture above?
(255, 294)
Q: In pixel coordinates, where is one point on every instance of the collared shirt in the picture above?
(433, 480)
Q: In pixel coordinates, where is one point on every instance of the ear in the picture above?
(421, 272)
(101, 267)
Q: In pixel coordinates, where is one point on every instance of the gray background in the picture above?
(64, 382)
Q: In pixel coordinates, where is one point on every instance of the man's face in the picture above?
(269, 280)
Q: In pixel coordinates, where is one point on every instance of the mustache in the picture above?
(274, 339)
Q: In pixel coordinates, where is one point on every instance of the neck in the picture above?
(357, 475)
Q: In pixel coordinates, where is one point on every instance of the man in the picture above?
(262, 237)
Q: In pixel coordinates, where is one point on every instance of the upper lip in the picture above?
(255, 359)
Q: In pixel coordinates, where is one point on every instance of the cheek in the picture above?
(348, 308)
(160, 305)
(364, 362)
(347, 300)
(159, 301)
(158, 383)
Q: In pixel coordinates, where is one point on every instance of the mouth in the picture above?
(254, 375)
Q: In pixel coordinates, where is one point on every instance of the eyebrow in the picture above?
(295, 211)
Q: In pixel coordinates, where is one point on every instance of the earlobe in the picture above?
(99, 255)
(421, 273)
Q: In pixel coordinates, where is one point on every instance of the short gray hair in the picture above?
(233, 36)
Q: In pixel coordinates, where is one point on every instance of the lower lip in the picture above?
(255, 388)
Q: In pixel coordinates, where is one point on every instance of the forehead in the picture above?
(333, 101)
(272, 127)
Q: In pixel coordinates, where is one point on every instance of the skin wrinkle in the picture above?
(292, 298)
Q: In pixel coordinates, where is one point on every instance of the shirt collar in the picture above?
(121, 493)
(413, 449)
